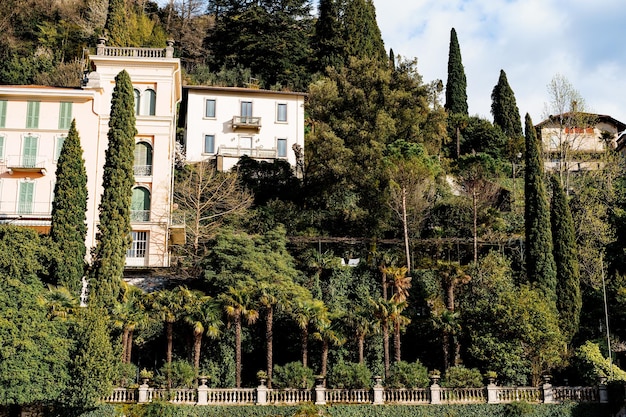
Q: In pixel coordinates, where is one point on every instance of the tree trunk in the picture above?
(396, 339)
(169, 327)
(405, 226)
(269, 340)
(446, 350)
(361, 349)
(124, 344)
(324, 359)
(238, 351)
(197, 348)
(475, 208)
(457, 350)
(386, 348)
(129, 346)
(384, 283)
(304, 337)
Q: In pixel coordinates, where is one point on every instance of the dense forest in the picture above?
(467, 256)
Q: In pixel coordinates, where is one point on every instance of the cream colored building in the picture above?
(225, 123)
(34, 120)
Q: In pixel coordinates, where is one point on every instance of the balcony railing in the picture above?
(27, 163)
(143, 170)
(22, 208)
(140, 215)
(246, 122)
(263, 153)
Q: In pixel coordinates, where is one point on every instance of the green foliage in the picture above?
(479, 135)
(116, 25)
(362, 37)
(456, 86)
(462, 377)
(349, 376)
(568, 295)
(69, 222)
(181, 373)
(328, 40)
(591, 364)
(293, 375)
(506, 114)
(113, 236)
(407, 375)
(540, 267)
(268, 180)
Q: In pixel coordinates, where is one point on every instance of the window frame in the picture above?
(278, 147)
(65, 115)
(278, 113)
(206, 108)
(58, 146)
(204, 148)
(3, 112)
(21, 201)
(32, 114)
(138, 247)
(2, 146)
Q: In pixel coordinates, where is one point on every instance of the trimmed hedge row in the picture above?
(160, 409)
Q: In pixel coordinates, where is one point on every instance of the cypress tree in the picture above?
(116, 25)
(504, 108)
(113, 238)
(456, 94)
(568, 297)
(362, 37)
(328, 42)
(69, 227)
(540, 267)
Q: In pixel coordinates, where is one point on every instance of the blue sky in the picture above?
(532, 40)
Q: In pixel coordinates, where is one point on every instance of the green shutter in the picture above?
(60, 141)
(65, 115)
(32, 115)
(27, 192)
(1, 147)
(3, 113)
(29, 153)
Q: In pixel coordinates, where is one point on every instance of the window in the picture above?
(209, 143)
(140, 205)
(139, 245)
(65, 115)
(32, 115)
(281, 148)
(143, 159)
(59, 147)
(29, 151)
(209, 108)
(281, 112)
(245, 144)
(25, 203)
(3, 113)
(2, 140)
(148, 102)
(246, 110)
(137, 95)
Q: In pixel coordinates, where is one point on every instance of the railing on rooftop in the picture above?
(128, 52)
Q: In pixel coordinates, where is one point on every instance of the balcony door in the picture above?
(29, 151)
(246, 111)
(245, 145)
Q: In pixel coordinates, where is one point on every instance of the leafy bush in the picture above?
(407, 375)
(350, 376)
(293, 375)
(462, 377)
(181, 373)
(591, 364)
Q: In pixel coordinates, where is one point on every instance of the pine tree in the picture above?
(504, 108)
(540, 267)
(568, 296)
(456, 94)
(116, 25)
(327, 41)
(113, 238)
(362, 37)
(69, 227)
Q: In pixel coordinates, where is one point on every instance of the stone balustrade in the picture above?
(491, 394)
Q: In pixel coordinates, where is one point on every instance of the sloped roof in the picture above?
(598, 117)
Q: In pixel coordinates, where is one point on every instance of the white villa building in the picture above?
(225, 123)
(34, 120)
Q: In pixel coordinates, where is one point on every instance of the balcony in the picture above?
(22, 209)
(138, 216)
(26, 163)
(246, 122)
(258, 152)
(142, 170)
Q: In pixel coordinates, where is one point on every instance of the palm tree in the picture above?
(399, 321)
(329, 336)
(448, 322)
(129, 315)
(382, 316)
(204, 315)
(61, 302)
(238, 304)
(359, 318)
(452, 275)
(309, 312)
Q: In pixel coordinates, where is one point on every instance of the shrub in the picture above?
(462, 377)
(407, 375)
(350, 376)
(182, 374)
(293, 375)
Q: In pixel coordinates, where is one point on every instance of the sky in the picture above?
(531, 40)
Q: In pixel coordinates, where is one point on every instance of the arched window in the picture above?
(137, 95)
(143, 159)
(148, 102)
(140, 205)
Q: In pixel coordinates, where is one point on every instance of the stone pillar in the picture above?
(603, 394)
(142, 396)
(102, 43)
(548, 393)
(492, 394)
(261, 394)
(203, 392)
(379, 391)
(169, 50)
(435, 393)
(320, 391)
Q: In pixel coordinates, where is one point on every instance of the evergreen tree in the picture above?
(568, 296)
(69, 227)
(540, 267)
(328, 42)
(116, 26)
(117, 179)
(456, 94)
(506, 113)
(362, 37)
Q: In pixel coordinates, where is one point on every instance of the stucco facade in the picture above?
(225, 123)
(33, 121)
